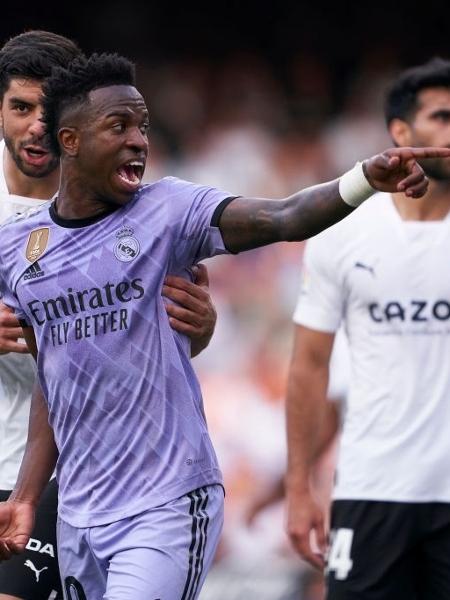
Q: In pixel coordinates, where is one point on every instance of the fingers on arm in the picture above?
(184, 321)
(301, 540)
(10, 331)
(183, 291)
(13, 346)
(415, 184)
(185, 300)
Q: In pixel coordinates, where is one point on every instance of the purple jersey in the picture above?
(123, 399)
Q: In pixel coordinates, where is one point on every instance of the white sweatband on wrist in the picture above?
(354, 187)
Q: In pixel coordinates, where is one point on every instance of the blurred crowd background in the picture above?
(260, 99)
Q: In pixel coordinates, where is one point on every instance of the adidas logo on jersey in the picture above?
(33, 272)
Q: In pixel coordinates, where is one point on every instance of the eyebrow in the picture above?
(18, 100)
(440, 111)
(124, 115)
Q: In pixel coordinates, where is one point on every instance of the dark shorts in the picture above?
(389, 551)
(34, 574)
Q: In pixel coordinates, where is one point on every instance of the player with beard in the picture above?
(383, 273)
(141, 502)
(29, 175)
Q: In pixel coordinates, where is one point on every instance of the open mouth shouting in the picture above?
(130, 174)
(35, 155)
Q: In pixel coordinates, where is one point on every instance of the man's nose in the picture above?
(37, 127)
(137, 139)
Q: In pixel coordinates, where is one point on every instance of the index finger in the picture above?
(427, 152)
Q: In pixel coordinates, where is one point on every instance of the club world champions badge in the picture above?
(127, 247)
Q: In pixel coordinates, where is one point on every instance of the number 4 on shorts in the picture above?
(339, 559)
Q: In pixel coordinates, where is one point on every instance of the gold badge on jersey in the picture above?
(37, 243)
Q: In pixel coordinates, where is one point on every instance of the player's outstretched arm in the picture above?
(17, 514)
(251, 222)
(193, 312)
(306, 408)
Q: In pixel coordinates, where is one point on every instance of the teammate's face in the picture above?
(431, 127)
(113, 144)
(23, 132)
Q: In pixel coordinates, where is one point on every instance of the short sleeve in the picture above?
(8, 297)
(197, 234)
(320, 302)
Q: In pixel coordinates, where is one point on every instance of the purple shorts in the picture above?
(161, 554)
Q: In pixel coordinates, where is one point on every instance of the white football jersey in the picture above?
(17, 371)
(387, 281)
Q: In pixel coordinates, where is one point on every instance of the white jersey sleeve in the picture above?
(320, 303)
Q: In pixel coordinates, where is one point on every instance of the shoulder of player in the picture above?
(172, 191)
(173, 186)
(27, 217)
(15, 230)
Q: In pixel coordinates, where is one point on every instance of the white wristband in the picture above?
(354, 187)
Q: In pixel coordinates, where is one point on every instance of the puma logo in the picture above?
(37, 572)
(360, 265)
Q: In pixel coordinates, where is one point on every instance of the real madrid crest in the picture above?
(127, 247)
(37, 243)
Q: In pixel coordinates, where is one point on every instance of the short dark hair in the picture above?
(401, 97)
(33, 55)
(69, 87)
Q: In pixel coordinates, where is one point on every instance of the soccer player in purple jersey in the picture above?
(29, 175)
(120, 408)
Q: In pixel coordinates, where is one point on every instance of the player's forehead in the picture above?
(434, 98)
(117, 99)
(24, 88)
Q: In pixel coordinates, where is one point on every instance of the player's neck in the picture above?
(433, 206)
(75, 201)
(41, 188)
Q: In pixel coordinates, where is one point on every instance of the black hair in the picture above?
(401, 97)
(33, 55)
(69, 87)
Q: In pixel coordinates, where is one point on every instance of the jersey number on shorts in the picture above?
(339, 559)
(74, 589)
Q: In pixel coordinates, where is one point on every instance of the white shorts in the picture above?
(161, 554)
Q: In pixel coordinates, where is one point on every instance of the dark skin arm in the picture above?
(248, 223)
(17, 514)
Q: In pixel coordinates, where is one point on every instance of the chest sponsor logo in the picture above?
(37, 243)
(414, 311)
(127, 247)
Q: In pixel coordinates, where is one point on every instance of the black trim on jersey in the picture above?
(219, 210)
(215, 219)
(199, 528)
(76, 223)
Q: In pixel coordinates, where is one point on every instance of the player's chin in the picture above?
(122, 191)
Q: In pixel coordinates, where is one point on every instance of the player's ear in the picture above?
(400, 132)
(68, 139)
